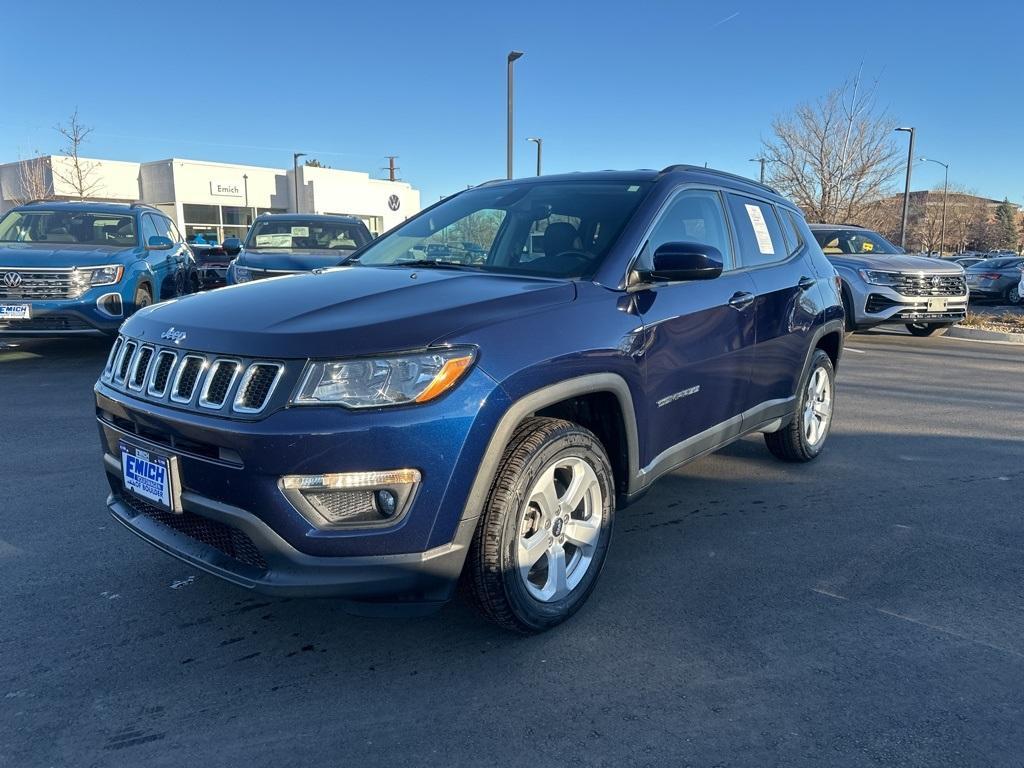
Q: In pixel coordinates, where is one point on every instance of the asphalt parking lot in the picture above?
(867, 609)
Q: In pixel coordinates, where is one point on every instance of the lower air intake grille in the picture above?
(224, 538)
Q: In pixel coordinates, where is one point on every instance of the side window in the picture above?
(175, 235)
(165, 228)
(759, 231)
(792, 230)
(695, 216)
(148, 229)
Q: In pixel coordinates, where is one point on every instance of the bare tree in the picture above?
(836, 156)
(33, 180)
(81, 175)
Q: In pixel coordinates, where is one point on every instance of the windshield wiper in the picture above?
(427, 263)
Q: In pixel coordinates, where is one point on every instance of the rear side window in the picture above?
(759, 231)
(695, 216)
(792, 230)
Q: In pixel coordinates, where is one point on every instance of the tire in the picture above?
(794, 442)
(923, 329)
(1013, 295)
(543, 454)
(143, 298)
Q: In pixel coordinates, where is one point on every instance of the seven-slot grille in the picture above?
(41, 284)
(191, 379)
(916, 284)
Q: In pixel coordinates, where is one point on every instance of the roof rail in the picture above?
(145, 205)
(35, 200)
(715, 172)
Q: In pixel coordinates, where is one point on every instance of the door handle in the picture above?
(805, 283)
(741, 300)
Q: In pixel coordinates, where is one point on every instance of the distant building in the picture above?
(217, 199)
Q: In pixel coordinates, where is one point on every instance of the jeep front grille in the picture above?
(917, 284)
(193, 380)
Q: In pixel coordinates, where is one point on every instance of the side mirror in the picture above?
(232, 246)
(684, 261)
(159, 243)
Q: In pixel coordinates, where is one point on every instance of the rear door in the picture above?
(699, 338)
(786, 307)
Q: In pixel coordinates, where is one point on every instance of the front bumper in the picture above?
(229, 479)
(96, 312)
(212, 275)
(878, 304)
(241, 548)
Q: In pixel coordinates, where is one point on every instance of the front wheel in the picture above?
(143, 298)
(804, 437)
(545, 529)
(923, 329)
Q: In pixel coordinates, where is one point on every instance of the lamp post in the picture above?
(539, 142)
(245, 184)
(945, 193)
(512, 56)
(906, 189)
(295, 173)
(762, 161)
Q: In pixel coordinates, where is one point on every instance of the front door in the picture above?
(699, 340)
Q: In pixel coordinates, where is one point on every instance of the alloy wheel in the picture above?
(817, 407)
(560, 529)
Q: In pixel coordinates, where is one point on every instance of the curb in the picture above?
(975, 334)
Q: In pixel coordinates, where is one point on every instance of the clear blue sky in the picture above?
(607, 85)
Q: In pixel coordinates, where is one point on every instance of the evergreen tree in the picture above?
(1006, 225)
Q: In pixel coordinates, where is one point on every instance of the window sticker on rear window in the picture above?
(764, 238)
(300, 231)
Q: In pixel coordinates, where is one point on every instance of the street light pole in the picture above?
(762, 161)
(945, 193)
(539, 142)
(512, 56)
(906, 189)
(295, 174)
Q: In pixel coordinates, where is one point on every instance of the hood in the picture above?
(893, 262)
(344, 312)
(292, 261)
(39, 255)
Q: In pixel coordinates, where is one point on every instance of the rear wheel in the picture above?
(924, 329)
(804, 437)
(1013, 294)
(545, 530)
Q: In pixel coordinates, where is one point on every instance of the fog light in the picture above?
(387, 502)
(351, 499)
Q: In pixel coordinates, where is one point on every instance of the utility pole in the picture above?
(906, 189)
(392, 169)
(295, 173)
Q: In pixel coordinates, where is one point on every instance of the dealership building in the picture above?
(218, 200)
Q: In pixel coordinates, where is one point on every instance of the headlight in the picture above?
(878, 278)
(89, 277)
(242, 274)
(375, 382)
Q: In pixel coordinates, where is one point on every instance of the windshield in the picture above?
(307, 235)
(850, 241)
(549, 228)
(68, 228)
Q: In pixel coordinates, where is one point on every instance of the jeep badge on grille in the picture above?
(172, 335)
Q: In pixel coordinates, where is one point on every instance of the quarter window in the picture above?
(695, 216)
(759, 231)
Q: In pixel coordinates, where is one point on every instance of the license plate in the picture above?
(150, 476)
(15, 311)
(937, 305)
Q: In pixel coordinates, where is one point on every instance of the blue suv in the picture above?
(285, 243)
(81, 268)
(384, 430)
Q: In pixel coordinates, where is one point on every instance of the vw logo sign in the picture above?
(12, 279)
(394, 203)
(173, 335)
(936, 282)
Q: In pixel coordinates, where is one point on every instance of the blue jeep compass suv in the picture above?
(382, 430)
(73, 268)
